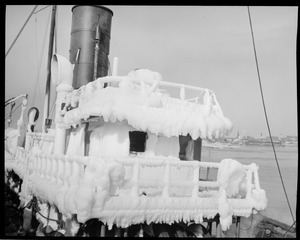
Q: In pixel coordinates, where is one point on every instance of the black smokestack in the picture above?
(85, 21)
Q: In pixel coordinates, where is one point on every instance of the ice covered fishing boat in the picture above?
(123, 151)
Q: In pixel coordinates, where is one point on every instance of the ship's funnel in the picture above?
(61, 70)
(88, 24)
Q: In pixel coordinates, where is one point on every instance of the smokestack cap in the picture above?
(98, 6)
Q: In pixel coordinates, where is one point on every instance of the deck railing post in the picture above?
(141, 232)
(256, 178)
(25, 177)
(68, 169)
(53, 169)
(44, 165)
(102, 231)
(38, 164)
(196, 181)
(60, 171)
(238, 226)
(166, 190)
(115, 66)
(49, 166)
(182, 92)
(135, 179)
(76, 171)
(249, 180)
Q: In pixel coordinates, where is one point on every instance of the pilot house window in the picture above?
(190, 149)
(137, 141)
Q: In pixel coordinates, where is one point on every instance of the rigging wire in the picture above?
(289, 229)
(52, 107)
(8, 101)
(20, 31)
(265, 111)
(55, 31)
(41, 9)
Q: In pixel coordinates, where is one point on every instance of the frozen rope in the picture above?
(20, 31)
(265, 111)
(49, 219)
(34, 207)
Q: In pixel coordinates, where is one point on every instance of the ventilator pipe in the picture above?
(61, 70)
(21, 121)
(33, 115)
(115, 66)
(62, 77)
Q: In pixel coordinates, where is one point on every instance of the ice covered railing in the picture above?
(138, 99)
(35, 141)
(42, 141)
(19, 163)
(12, 135)
(129, 190)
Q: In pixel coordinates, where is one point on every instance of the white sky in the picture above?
(205, 46)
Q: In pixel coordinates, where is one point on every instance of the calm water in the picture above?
(268, 174)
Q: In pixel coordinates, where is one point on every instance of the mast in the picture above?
(46, 120)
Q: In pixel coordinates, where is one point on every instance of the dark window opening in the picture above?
(183, 143)
(197, 149)
(137, 141)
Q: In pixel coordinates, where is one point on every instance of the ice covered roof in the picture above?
(138, 99)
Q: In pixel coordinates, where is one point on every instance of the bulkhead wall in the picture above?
(112, 140)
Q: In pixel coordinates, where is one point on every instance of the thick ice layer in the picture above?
(231, 175)
(233, 180)
(131, 190)
(153, 186)
(111, 139)
(151, 111)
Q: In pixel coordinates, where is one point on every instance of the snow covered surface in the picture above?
(145, 107)
(112, 140)
(153, 186)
